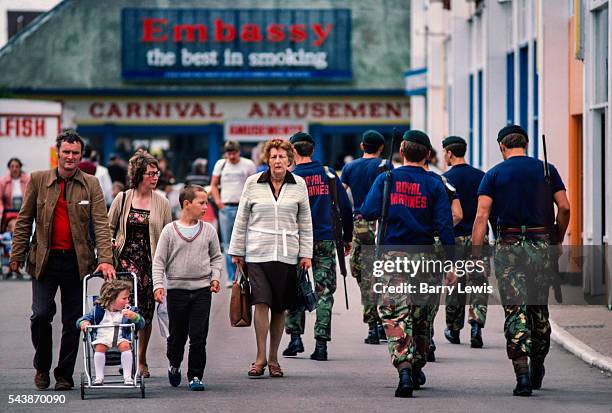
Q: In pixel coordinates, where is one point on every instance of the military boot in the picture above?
(475, 335)
(381, 332)
(372, 337)
(431, 353)
(418, 378)
(404, 387)
(523, 385)
(320, 351)
(295, 346)
(452, 336)
(536, 373)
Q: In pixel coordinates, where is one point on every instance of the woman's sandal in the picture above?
(256, 370)
(275, 370)
(144, 371)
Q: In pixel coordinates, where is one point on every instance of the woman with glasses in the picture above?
(140, 214)
(272, 234)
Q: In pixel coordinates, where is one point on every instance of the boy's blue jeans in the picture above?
(227, 216)
(188, 312)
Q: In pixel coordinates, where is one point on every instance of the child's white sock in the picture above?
(126, 363)
(99, 362)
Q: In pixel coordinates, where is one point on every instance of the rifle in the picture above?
(337, 229)
(382, 222)
(553, 228)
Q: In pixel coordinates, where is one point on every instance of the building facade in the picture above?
(542, 64)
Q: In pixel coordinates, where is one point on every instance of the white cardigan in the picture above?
(267, 229)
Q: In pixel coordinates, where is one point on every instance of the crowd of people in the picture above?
(289, 215)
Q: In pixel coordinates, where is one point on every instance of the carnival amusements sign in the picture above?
(226, 44)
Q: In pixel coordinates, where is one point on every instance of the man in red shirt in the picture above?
(66, 204)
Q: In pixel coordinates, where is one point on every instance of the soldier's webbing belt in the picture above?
(523, 232)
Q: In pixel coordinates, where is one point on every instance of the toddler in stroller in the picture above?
(112, 308)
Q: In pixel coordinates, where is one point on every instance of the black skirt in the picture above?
(273, 283)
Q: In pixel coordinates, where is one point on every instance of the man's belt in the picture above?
(534, 233)
(230, 204)
(62, 253)
(523, 230)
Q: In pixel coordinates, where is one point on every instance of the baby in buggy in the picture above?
(112, 308)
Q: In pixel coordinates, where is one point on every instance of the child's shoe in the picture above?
(98, 381)
(196, 384)
(174, 376)
(128, 381)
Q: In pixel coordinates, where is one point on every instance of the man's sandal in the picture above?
(256, 370)
(275, 370)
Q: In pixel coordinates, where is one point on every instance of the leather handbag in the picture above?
(307, 298)
(240, 306)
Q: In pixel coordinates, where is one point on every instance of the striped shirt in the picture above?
(269, 229)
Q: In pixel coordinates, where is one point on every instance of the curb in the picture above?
(579, 349)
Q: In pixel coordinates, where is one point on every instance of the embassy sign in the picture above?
(248, 44)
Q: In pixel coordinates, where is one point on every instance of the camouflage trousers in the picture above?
(364, 235)
(324, 274)
(455, 303)
(407, 319)
(524, 272)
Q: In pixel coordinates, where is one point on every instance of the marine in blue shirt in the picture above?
(516, 189)
(358, 176)
(418, 207)
(467, 180)
(320, 193)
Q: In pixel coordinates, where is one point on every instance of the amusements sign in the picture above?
(248, 44)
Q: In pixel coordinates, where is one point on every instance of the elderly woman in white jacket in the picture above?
(272, 233)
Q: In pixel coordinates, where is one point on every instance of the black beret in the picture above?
(371, 137)
(417, 136)
(301, 137)
(453, 140)
(510, 129)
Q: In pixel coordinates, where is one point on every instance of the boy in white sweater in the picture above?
(189, 256)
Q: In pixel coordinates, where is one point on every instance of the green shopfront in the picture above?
(182, 80)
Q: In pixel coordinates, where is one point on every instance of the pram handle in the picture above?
(118, 274)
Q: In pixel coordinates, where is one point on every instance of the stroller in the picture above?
(6, 238)
(113, 356)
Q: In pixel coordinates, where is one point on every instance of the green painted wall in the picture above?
(78, 46)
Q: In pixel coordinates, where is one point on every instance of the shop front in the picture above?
(182, 80)
(196, 127)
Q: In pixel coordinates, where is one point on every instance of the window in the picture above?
(471, 117)
(600, 55)
(480, 118)
(524, 87)
(535, 100)
(510, 88)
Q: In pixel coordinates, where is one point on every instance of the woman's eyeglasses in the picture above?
(152, 174)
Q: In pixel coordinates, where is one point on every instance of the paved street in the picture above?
(358, 377)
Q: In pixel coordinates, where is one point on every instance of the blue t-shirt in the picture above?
(320, 197)
(517, 189)
(360, 174)
(418, 207)
(466, 179)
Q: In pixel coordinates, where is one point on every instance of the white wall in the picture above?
(458, 70)
(554, 81)
(495, 33)
(21, 5)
